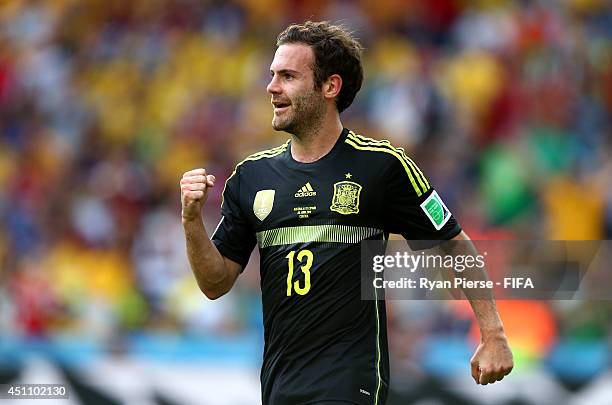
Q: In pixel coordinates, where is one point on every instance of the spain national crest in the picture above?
(346, 197)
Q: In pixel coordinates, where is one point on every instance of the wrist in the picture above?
(189, 219)
(492, 334)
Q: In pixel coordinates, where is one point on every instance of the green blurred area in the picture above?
(505, 106)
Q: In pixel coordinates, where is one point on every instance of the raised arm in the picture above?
(492, 360)
(214, 273)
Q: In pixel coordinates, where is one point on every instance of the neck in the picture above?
(311, 145)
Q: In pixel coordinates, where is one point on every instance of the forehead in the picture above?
(298, 57)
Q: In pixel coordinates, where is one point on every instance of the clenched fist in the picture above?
(194, 191)
(492, 361)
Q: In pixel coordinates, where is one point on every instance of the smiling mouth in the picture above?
(280, 106)
(279, 110)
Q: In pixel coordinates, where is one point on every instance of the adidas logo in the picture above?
(306, 191)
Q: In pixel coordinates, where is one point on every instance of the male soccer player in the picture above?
(307, 204)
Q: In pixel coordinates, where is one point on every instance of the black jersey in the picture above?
(322, 341)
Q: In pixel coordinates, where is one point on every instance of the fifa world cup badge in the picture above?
(346, 197)
(262, 205)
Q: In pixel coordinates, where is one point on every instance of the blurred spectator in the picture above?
(103, 104)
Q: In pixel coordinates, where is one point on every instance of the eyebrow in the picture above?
(282, 71)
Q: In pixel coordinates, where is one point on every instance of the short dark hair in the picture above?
(335, 50)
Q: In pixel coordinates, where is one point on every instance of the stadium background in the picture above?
(505, 105)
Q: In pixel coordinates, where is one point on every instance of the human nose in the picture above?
(273, 87)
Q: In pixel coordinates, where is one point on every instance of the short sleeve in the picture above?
(413, 208)
(234, 236)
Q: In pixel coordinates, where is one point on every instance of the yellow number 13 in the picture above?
(305, 269)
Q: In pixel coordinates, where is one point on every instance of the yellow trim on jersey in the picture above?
(384, 143)
(414, 166)
(258, 155)
(418, 174)
(378, 354)
(268, 153)
(391, 152)
(315, 233)
(378, 376)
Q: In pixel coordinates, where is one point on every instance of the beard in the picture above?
(305, 113)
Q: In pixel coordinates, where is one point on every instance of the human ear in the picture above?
(332, 86)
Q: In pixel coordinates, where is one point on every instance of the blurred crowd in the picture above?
(505, 105)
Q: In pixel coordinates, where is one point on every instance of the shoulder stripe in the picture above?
(391, 152)
(418, 173)
(415, 169)
(262, 155)
(350, 141)
(269, 153)
(414, 166)
(282, 147)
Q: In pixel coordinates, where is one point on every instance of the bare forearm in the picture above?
(481, 299)
(488, 319)
(206, 262)
(492, 360)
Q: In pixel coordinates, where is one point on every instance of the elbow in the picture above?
(212, 294)
(222, 281)
(461, 236)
